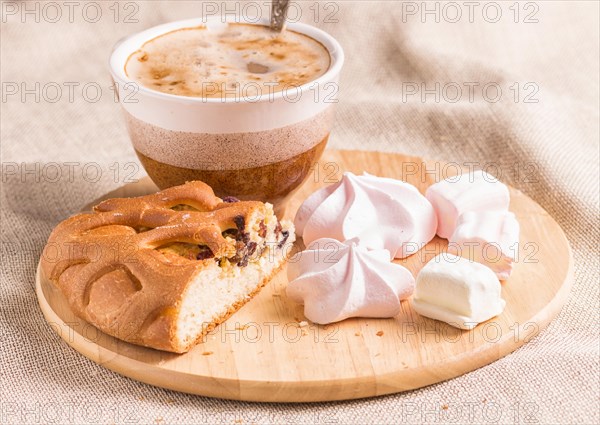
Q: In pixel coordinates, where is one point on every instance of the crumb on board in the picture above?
(357, 334)
(207, 353)
(445, 407)
(303, 323)
(380, 333)
(241, 327)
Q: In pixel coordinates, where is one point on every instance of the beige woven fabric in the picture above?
(391, 53)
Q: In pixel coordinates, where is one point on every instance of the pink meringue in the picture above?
(383, 213)
(476, 191)
(490, 238)
(337, 280)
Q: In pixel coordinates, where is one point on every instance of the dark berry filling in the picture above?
(262, 229)
(244, 247)
(230, 199)
(285, 235)
(205, 253)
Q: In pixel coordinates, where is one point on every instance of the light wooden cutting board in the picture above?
(263, 354)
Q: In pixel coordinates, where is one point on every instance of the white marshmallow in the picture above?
(490, 238)
(476, 191)
(457, 291)
(336, 280)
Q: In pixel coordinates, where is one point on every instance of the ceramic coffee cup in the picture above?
(260, 147)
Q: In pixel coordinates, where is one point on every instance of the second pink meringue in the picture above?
(337, 280)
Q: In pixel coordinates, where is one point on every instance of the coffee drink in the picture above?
(229, 61)
(264, 165)
(229, 104)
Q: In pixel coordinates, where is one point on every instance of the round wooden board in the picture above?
(262, 354)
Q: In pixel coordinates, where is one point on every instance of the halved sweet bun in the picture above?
(166, 268)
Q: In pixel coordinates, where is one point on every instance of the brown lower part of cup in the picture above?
(273, 183)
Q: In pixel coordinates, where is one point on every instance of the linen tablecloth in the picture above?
(514, 85)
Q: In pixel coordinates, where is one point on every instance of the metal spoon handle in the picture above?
(278, 14)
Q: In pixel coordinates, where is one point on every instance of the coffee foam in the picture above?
(231, 60)
(231, 151)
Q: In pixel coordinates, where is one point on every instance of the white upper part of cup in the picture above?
(222, 115)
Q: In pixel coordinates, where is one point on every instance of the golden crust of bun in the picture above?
(107, 265)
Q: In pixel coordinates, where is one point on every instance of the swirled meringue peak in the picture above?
(383, 213)
(337, 280)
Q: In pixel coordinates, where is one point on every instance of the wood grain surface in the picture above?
(263, 354)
